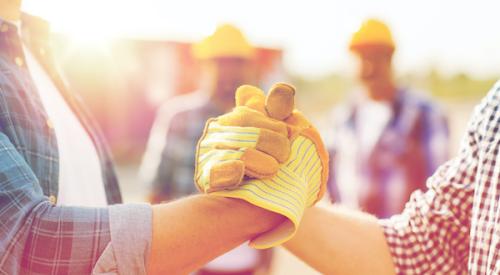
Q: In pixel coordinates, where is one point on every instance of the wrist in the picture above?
(189, 232)
(253, 219)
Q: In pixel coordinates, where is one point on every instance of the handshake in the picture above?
(266, 153)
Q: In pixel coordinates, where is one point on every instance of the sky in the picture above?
(453, 36)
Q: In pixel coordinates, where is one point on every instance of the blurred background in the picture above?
(126, 58)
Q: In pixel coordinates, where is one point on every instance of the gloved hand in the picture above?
(275, 147)
(243, 142)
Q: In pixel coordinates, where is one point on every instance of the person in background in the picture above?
(386, 140)
(168, 165)
(61, 209)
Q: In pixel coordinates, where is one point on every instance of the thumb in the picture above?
(280, 101)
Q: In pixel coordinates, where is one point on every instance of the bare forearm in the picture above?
(339, 241)
(190, 232)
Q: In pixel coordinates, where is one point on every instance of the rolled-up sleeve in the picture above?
(131, 232)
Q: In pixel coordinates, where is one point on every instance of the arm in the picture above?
(431, 236)
(339, 241)
(434, 223)
(38, 237)
(190, 232)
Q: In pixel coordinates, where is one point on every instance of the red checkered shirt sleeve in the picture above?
(453, 227)
(432, 234)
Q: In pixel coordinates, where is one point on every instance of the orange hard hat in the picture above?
(226, 41)
(372, 32)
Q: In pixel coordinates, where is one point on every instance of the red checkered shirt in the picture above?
(454, 227)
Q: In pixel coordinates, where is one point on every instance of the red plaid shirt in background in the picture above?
(454, 228)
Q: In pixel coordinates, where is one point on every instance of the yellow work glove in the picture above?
(275, 147)
(243, 142)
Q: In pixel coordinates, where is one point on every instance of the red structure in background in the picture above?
(124, 82)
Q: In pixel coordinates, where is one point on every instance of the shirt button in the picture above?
(52, 199)
(50, 124)
(19, 61)
(4, 28)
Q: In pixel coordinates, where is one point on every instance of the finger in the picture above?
(252, 97)
(280, 101)
(231, 137)
(258, 164)
(246, 117)
(224, 168)
(219, 169)
(226, 175)
(273, 144)
(296, 123)
(217, 135)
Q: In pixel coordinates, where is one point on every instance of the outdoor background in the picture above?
(125, 57)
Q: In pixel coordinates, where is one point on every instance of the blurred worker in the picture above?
(60, 203)
(386, 140)
(168, 167)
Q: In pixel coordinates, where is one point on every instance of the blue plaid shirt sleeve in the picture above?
(37, 237)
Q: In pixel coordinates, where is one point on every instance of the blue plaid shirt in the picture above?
(410, 148)
(37, 237)
(184, 119)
